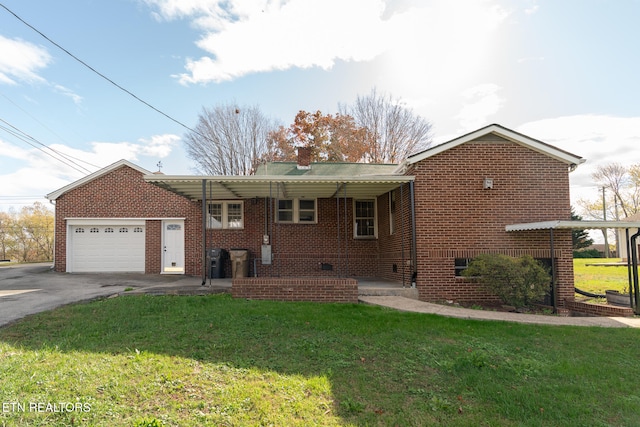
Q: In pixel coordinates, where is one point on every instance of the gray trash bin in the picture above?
(216, 258)
(239, 262)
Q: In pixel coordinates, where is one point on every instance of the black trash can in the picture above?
(216, 258)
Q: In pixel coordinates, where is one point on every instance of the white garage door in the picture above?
(106, 248)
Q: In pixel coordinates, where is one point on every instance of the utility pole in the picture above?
(604, 216)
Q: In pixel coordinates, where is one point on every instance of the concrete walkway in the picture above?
(32, 288)
(408, 304)
(191, 286)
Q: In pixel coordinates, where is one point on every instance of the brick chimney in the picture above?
(304, 158)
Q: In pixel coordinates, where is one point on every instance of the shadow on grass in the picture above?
(384, 367)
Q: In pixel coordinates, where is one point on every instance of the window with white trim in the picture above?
(298, 211)
(365, 219)
(225, 215)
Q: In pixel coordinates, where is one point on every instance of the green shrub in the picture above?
(516, 281)
(587, 253)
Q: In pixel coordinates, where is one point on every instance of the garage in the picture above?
(110, 247)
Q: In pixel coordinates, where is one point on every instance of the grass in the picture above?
(597, 279)
(216, 361)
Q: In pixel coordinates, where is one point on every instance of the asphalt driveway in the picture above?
(32, 288)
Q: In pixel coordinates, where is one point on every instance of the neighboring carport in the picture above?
(632, 261)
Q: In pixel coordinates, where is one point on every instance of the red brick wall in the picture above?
(598, 309)
(300, 249)
(395, 248)
(291, 289)
(457, 218)
(122, 193)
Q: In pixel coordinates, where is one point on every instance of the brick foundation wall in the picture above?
(290, 289)
(457, 218)
(598, 309)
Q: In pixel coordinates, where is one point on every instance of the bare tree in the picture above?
(620, 196)
(229, 140)
(622, 185)
(394, 131)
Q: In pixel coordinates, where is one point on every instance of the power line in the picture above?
(97, 72)
(49, 129)
(25, 137)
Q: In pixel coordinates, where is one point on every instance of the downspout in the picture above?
(414, 253)
(634, 262)
(204, 232)
(553, 270)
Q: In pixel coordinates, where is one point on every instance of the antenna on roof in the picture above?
(159, 165)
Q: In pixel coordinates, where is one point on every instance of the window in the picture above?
(137, 230)
(79, 230)
(460, 264)
(365, 220)
(285, 210)
(173, 227)
(108, 230)
(297, 211)
(94, 230)
(225, 215)
(124, 230)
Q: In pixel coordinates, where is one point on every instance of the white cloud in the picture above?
(426, 43)
(77, 99)
(20, 61)
(38, 173)
(599, 139)
(254, 37)
(482, 101)
(533, 8)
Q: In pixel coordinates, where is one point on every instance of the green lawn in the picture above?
(597, 279)
(216, 361)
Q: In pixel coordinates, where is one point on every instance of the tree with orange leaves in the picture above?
(330, 138)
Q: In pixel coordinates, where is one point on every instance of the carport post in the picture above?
(204, 232)
(634, 263)
(553, 272)
(632, 300)
(414, 245)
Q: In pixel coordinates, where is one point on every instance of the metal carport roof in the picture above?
(559, 224)
(280, 187)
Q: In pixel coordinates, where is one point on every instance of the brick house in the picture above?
(418, 223)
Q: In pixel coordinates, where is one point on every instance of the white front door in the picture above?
(173, 247)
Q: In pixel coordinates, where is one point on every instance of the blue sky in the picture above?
(562, 71)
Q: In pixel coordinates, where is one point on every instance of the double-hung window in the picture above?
(365, 219)
(225, 215)
(298, 211)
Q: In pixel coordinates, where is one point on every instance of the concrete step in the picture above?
(388, 291)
